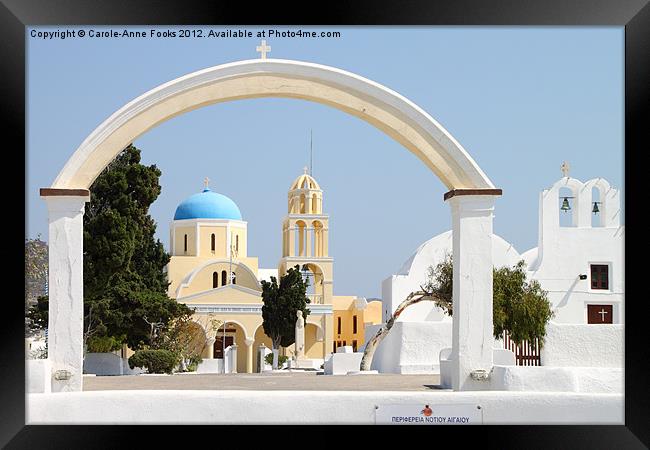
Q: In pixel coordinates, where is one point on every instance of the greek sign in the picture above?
(429, 414)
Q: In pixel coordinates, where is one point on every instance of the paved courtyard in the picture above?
(291, 381)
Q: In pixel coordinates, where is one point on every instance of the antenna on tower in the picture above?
(311, 152)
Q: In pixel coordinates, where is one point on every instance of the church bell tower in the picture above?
(305, 232)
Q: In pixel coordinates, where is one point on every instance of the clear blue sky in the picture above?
(520, 100)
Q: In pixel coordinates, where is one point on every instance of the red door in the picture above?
(218, 345)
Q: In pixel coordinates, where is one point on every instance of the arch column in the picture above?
(66, 303)
(210, 343)
(308, 232)
(292, 241)
(472, 339)
(249, 354)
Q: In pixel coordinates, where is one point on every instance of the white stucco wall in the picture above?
(342, 363)
(411, 347)
(557, 379)
(582, 345)
(311, 407)
(38, 373)
(565, 252)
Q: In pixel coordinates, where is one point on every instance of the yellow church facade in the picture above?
(211, 271)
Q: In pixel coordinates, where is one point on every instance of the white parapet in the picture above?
(210, 366)
(583, 345)
(603, 380)
(342, 363)
(39, 374)
(501, 356)
(411, 347)
(312, 407)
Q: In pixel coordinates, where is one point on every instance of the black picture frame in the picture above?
(634, 15)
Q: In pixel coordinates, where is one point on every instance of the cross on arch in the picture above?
(565, 168)
(263, 49)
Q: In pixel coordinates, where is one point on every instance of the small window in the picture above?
(224, 275)
(185, 244)
(234, 277)
(334, 346)
(213, 243)
(338, 325)
(237, 243)
(354, 325)
(344, 343)
(215, 280)
(599, 276)
(354, 346)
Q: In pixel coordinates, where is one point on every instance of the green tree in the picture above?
(125, 284)
(520, 307)
(185, 338)
(36, 271)
(281, 301)
(37, 315)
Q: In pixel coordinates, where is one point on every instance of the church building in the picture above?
(578, 261)
(212, 271)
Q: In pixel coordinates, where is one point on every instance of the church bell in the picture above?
(565, 205)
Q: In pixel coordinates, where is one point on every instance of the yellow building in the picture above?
(351, 314)
(211, 271)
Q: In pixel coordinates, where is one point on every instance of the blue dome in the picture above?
(207, 205)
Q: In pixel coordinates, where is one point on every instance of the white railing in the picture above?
(316, 299)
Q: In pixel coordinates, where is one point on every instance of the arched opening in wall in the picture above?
(597, 208)
(213, 243)
(237, 244)
(195, 339)
(185, 244)
(318, 238)
(234, 334)
(260, 338)
(215, 280)
(566, 204)
(313, 348)
(300, 244)
(302, 204)
(314, 204)
(316, 289)
(233, 277)
(432, 145)
(224, 277)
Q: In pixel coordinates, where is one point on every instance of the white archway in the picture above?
(471, 194)
(387, 110)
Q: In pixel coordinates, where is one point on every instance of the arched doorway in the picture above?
(228, 334)
(313, 346)
(260, 338)
(471, 195)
